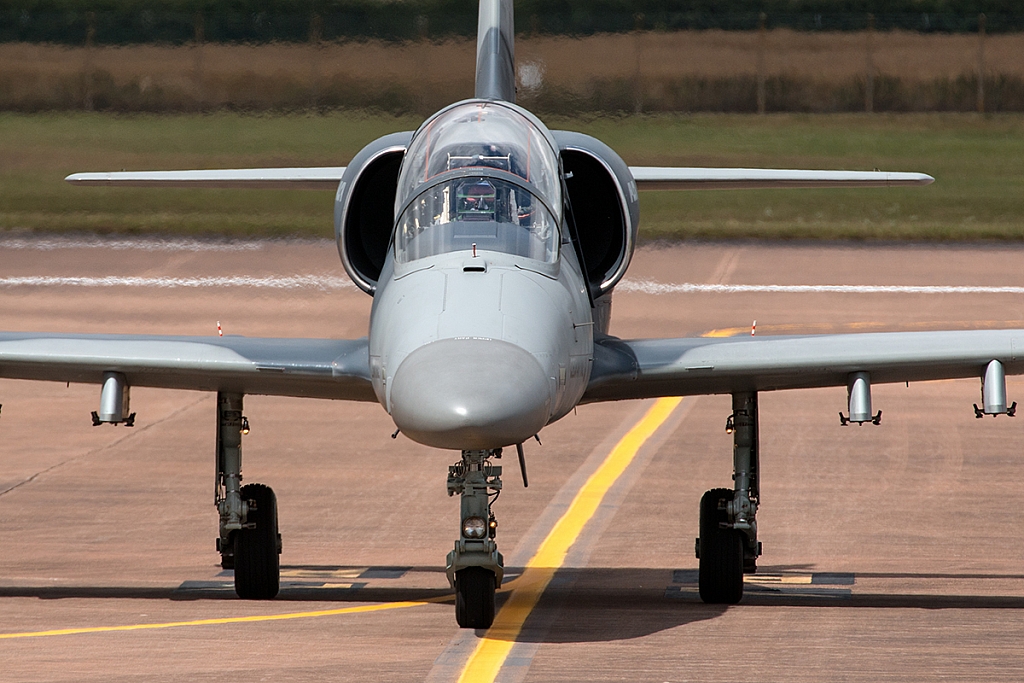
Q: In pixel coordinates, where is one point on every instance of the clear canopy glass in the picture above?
(493, 214)
(480, 135)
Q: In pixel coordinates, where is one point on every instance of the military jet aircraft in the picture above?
(492, 246)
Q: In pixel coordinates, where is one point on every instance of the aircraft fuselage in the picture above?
(481, 330)
(479, 352)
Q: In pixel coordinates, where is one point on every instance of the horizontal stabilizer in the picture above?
(324, 178)
(683, 178)
(647, 178)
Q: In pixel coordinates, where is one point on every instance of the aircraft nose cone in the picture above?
(470, 394)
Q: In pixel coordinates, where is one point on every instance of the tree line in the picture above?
(113, 22)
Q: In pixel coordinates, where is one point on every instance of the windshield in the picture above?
(492, 214)
(480, 135)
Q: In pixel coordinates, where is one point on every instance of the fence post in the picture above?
(87, 67)
(981, 63)
(198, 38)
(762, 39)
(316, 30)
(869, 67)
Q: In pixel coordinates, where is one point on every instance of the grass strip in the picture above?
(978, 162)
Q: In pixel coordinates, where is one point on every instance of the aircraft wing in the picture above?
(322, 178)
(683, 178)
(644, 368)
(313, 368)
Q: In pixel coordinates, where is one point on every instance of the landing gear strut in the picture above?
(249, 541)
(475, 567)
(728, 547)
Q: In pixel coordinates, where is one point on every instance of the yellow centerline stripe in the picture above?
(227, 620)
(487, 659)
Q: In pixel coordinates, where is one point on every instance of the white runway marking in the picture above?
(334, 282)
(320, 282)
(652, 287)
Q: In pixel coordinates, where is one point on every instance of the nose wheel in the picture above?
(474, 597)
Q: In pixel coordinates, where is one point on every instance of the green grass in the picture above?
(978, 163)
(38, 151)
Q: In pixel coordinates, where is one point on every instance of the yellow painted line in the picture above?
(817, 328)
(322, 574)
(227, 620)
(776, 578)
(724, 332)
(487, 659)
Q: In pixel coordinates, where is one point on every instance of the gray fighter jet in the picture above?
(492, 246)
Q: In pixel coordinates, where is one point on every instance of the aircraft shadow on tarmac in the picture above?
(597, 604)
(591, 604)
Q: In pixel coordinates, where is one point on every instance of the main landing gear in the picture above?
(728, 547)
(249, 541)
(475, 567)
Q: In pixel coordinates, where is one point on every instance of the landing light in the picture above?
(474, 527)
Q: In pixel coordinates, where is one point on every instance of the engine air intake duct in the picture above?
(364, 208)
(604, 205)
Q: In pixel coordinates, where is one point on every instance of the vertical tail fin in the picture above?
(495, 51)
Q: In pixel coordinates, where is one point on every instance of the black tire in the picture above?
(721, 552)
(257, 559)
(474, 597)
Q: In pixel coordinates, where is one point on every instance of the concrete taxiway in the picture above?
(892, 552)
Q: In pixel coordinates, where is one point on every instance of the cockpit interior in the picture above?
(455, 191)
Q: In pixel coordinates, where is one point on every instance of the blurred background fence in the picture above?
(600, 56)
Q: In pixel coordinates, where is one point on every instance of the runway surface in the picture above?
(891, 553)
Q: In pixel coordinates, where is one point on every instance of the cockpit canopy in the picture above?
(482, 212)
(479, 173)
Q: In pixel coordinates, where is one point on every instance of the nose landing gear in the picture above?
(475, 567)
